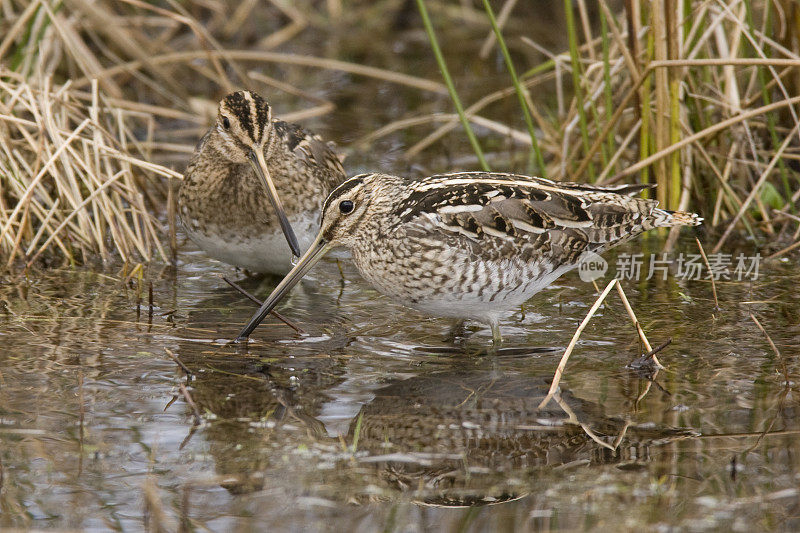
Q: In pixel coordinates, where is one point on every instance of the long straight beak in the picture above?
(311, 257)
(259, 165)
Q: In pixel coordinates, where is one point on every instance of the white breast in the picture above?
(264, 252)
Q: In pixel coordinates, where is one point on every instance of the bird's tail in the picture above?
(661, 218)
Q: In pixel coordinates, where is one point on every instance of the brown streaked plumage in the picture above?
(472, 245)
(254, 184)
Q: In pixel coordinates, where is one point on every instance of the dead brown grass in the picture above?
(699, 97)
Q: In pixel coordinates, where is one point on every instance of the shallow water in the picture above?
(367, 422)
(378, 418)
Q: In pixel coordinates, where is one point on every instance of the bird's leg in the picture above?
(497, 338)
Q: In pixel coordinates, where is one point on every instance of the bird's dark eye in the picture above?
(346, 206)
(226, 123)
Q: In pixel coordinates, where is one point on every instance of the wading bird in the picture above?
(222, 202)
(472, 245)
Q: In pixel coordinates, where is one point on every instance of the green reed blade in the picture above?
(437, 52)
(538, 69)
(517, 86)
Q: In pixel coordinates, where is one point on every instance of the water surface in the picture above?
(369, 422)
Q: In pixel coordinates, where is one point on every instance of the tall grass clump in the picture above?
(77, 181)
(709, 88)
(700, 98)
(93, 93)
(74, 176)
(98, 98)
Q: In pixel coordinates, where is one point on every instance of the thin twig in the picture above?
(564, 358)
(178, 362)
(710, 274)
(198, 418)
(786, 250)
(658, 348)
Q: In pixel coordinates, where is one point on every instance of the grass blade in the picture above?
(437, 52)
(517, 87)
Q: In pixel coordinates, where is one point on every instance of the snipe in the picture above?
(222, 202)
(472, 245)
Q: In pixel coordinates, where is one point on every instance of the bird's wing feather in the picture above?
(309, 147)
(520, 211)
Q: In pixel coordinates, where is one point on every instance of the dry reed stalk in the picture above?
(704, 133)
(638, 326)
(155, 517)
(72, 169)
(275, 57)
(506, 131)
(571, 346)
(585, 322)
(502, 18)
(440, 132)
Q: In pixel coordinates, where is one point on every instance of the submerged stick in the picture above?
(769, 339)
(178, 362)
(198, 418)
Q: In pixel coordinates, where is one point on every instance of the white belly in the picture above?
(469, 304)
(265, 252)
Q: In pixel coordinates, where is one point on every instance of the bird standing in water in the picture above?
(471, 245)
(222, 202)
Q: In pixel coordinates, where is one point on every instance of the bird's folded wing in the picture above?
(309, 147)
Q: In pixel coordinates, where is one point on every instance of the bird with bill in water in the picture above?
(244, 154)
(471, 245)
